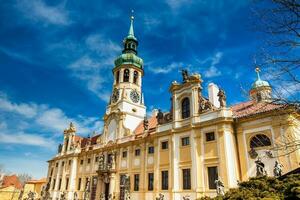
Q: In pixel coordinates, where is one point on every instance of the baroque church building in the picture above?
(201, 147)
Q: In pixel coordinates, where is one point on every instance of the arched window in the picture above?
(260, 140)
(185, 108)
(117, 76)
(135, 77)
(126, 75)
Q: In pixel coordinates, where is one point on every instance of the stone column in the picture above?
(112, 183)
(55, 191)
(72, 178)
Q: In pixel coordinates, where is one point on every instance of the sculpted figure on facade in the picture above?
(101, 162)
(160, 197)
(160, 117)
(113, 160)
(186, 197)
(146, 123)
(86, 194)
(260, 168)
(59, 149)
(222, 98)
(220, 187)
(185, 75)
(277, 169)
(102, 196)
(63, 196)
(75, 196)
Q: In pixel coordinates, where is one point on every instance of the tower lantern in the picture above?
(261, 90)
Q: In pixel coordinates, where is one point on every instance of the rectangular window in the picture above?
(67, 183)
(164, 180)
(185, 141)
(137, 152)
(124, 154)
(63, 163)
(70, 162)
(150, 181)
(136, 182)
(53, 186)
(56, 165)
(59, 184)
(51, 172)
(81, 162)
(210, 136)
(186, 178)
(96, 159)
(151, 150)
(79, 184)
(89, 161)
(212, 176)
(164, 145)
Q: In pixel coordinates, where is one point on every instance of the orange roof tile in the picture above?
(12, 180)
(152, 123)
(251, 108)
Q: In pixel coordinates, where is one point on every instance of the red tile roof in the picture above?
(12, 180)
(152, 123)
(251, 108)
(85, 140)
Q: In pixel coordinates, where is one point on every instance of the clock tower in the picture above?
(126, 108)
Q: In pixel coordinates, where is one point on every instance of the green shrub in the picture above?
(264, 188)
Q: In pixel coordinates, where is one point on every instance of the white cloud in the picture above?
(98, 56)
(19, 120)
(166, 69)
(212, 70)
(26, 139)
(37, 10)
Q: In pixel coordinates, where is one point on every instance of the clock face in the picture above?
(115, 95)
(134, 95)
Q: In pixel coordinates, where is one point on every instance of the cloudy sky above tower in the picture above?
(56, 59)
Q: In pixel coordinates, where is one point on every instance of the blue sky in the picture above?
(56, 59)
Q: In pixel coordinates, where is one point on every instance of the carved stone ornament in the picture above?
(115, 95)
(204, 105)
(252, 153)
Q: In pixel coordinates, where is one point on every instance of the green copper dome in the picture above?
(129, 53)
(259, 83)
(130, 59)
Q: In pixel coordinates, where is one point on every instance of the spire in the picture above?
(257, 70)
(131, 31)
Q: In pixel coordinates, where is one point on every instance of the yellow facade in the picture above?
(35, 186)
(9, 193)
(177, 154)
